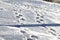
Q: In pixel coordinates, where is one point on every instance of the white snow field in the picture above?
(29, 12)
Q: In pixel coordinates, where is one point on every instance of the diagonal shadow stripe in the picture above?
(33, 25)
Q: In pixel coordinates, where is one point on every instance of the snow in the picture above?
(29, 12)
(10, 33)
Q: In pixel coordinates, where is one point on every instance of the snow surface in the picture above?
(29, 12)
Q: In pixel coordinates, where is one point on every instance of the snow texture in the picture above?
(29, 12)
